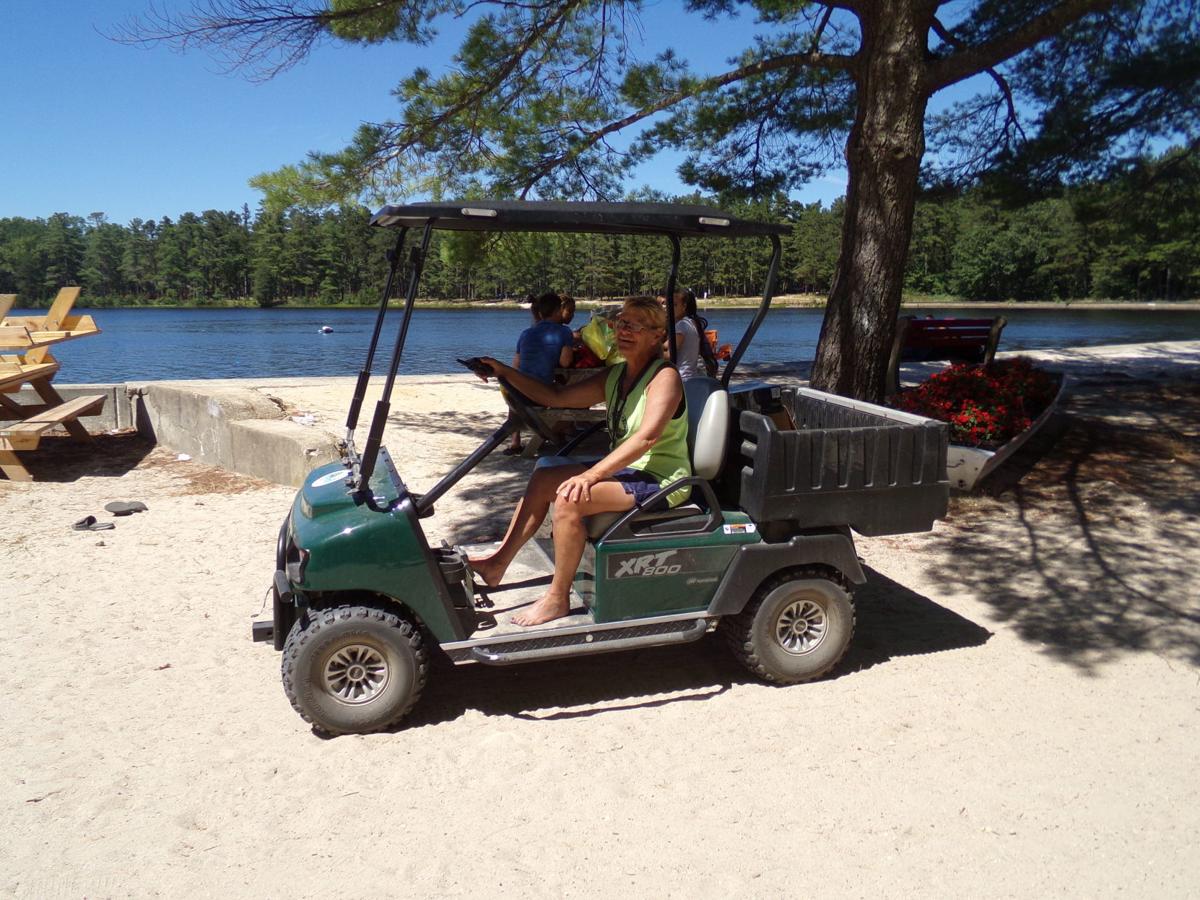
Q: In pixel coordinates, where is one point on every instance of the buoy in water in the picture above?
(325, 329)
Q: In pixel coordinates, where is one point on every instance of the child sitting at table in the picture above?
(543, 347)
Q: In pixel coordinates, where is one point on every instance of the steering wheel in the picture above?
(519, 405)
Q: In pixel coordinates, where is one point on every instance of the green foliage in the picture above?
(531, 100)
(814, 244)
(372, 22)
(1136, 237)
(61, 247)
(212, 258)
(1148, 226)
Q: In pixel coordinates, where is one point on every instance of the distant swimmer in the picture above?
(325, 329)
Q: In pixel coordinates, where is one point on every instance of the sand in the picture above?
(1019, 714)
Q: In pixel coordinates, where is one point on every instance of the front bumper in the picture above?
(283, 613)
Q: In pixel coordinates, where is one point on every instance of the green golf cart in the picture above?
(762, 553)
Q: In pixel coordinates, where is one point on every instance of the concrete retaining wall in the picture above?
(234, 428)
(118, 411)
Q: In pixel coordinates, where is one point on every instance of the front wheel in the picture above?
(353, 669)
(795, 628)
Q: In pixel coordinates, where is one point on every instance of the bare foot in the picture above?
(545, 610)
(488, 568)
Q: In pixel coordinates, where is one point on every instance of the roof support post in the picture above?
(768, 292)
(383, 406)
(671, 279)
(364, 375)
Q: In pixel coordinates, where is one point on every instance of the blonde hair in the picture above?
(650, 308)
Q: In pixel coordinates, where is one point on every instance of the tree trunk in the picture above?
(883, 155)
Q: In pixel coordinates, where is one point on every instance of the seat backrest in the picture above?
(52, 321)
(60, 308)
(708, 424)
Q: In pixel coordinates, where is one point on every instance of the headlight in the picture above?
(297, 562)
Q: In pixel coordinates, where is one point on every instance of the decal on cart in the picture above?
(648, 564)
(692, 562)
(330, 478)
(741, 528)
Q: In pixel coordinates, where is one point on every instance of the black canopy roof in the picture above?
(683, 220)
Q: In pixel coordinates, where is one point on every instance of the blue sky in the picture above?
(95, 126)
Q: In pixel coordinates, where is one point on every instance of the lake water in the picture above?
(156, 344)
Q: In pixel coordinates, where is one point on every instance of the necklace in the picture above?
(616, 418)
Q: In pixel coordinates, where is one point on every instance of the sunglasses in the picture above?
(630, 326)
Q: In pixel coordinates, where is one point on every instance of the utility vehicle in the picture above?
(763, 553)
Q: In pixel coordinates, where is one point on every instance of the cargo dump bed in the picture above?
(845, 462)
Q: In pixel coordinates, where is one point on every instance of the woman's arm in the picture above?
(662, 399)
(580, 395)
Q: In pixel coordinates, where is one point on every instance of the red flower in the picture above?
(984, 405)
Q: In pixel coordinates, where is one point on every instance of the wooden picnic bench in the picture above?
(553, 416)
(23, 424)
(950, 340)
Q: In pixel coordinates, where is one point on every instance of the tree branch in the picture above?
(535, 33)
(788, 60)
(1001, 82)
(820, 30)
(973, 60)
(272, 35)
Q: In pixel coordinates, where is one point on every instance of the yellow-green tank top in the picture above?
(667, 460)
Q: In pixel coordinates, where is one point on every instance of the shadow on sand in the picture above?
(1088, 543)
(60, 458)
(892, 621)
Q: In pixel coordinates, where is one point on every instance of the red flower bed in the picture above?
(984, 405)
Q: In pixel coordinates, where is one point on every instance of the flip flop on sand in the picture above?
(125, 507)
(89, 523)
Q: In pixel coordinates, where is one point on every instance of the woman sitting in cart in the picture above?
(647, 424)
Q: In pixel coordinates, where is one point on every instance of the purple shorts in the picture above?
(639, 485)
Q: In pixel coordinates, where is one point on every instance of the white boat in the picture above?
(968, 466)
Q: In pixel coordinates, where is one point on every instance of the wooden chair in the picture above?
(950, 340)
(33, 364)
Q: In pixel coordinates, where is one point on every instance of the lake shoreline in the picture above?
(785, 301)
(137, 345)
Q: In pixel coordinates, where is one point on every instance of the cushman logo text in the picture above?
(650, 564)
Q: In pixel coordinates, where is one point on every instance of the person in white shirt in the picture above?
(690, 342)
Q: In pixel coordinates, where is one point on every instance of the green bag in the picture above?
(600, 337)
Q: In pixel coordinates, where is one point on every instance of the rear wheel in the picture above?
(353, 669)
(795, 628)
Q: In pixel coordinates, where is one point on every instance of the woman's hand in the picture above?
(577, 488)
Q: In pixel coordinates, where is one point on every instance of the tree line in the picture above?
(1135, 236)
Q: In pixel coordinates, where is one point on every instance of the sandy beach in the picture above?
(1018, 715)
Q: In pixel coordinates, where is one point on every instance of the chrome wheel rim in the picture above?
(356, 673)
(801, 627)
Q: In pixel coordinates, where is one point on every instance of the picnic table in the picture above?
(31, 337)
(552, 416)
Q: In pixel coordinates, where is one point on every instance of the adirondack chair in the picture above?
(33, 364)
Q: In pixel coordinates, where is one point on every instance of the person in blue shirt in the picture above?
(543, 347)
